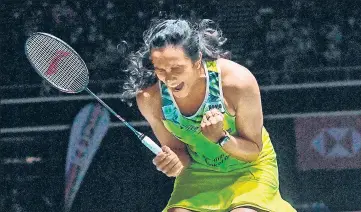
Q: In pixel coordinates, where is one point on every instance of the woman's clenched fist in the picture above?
(212, 125)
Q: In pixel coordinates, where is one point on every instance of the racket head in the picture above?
(57, 62)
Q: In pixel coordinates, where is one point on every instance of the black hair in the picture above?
(205, 38)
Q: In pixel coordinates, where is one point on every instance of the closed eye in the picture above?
(178, 69)
(174, 70)
(158, 70)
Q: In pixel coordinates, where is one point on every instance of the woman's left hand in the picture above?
(212, 125)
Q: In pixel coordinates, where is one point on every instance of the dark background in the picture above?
(305, 55)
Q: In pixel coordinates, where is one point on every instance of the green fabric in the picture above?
(215, 181)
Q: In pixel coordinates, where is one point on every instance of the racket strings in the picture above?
(57, 63)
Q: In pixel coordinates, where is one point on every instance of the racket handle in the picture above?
(148, 142)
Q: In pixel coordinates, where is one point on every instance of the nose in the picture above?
(170, 80)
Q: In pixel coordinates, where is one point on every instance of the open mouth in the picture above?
(178, 87)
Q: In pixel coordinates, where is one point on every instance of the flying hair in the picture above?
(203, 38)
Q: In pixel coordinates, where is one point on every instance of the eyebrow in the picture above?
(177, 66)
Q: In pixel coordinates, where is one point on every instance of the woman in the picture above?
(206, 113)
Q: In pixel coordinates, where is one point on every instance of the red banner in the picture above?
(328, 142)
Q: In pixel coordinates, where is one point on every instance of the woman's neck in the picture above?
(190, 104)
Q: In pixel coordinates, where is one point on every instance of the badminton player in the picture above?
(206, 113)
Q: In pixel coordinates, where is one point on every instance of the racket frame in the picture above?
(72, 51)
(148, 142)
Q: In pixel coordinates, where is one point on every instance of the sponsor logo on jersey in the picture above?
(215, 105)
(216, 161)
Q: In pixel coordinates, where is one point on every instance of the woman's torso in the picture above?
(205, 153)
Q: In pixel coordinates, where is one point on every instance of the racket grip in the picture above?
(151, 145)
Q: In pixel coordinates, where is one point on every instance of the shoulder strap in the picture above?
(215, 95)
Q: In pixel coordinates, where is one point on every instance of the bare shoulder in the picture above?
(235, 75)
(238, 83)
(149, 101)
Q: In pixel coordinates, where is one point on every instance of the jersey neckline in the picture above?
(200, 108)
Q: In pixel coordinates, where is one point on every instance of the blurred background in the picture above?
(304, 53)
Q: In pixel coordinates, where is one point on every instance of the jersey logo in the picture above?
(216, 162)
(215, 105)
(190, 128)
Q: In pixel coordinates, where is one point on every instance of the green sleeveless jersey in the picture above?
(206, 154)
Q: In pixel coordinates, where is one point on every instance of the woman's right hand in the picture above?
(168, 162)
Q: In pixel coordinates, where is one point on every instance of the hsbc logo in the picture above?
(337, 142)
(328, 142)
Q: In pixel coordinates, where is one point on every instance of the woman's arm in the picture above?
(241, 92)
(149, 104)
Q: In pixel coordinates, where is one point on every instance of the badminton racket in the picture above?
(59, 64)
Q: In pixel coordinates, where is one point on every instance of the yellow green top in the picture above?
(187, 128)
(216, 181)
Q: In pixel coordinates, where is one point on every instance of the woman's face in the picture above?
(174, 68)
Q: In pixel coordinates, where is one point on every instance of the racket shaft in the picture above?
(149, 143)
